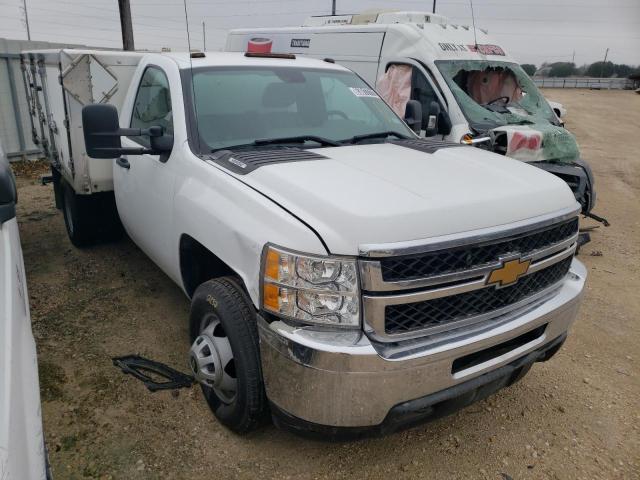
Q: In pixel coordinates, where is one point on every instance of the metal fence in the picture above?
(586, 82)
(15, 126)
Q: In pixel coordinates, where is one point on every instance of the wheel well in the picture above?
(198, 264)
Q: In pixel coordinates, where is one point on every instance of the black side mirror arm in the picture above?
(133, 132)
(160, 144)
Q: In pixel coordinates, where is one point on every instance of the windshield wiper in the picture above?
(368, 136)
(258, 142)
(297, 139)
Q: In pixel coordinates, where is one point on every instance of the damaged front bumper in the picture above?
(578, 176)
(341, 382)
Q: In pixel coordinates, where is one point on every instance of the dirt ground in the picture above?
(577, 416)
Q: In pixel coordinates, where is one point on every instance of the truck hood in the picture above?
(385, 193)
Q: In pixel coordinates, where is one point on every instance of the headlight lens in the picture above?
(317, 290)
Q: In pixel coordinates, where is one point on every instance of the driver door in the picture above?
(144, 184)
(422, 90)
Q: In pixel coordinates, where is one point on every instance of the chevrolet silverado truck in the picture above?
(345, 276)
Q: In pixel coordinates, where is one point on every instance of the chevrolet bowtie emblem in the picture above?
(508, 272)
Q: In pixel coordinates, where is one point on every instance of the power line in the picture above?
(529, 5)
(539, 20)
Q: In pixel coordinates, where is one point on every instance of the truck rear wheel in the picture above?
(77, 217)
(89, 219)
(225, 354)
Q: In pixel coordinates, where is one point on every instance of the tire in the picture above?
(223, 306)
(77, 217)
(90, 219)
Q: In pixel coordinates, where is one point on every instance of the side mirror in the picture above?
(413, 115)
(102, 134)
(431, 128)
(161, 145)
(101, 131)
(438, 122)
(444, 123)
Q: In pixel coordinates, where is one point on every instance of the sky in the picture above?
(533, 31)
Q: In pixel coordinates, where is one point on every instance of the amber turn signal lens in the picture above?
(271, 296)
(272, 265)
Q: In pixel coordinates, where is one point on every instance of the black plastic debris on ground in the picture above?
(142, 369)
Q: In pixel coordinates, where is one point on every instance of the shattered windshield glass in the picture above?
(493, 94)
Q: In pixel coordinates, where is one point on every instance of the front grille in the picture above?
(432, 313)
(411, 267)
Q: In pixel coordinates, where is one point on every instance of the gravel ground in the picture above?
(576, 416)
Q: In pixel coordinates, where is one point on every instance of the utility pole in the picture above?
(126, 25)
(603, 62)
(26, 18)
(573, 58)
(204, 38)
(434, 6)
(333, 7)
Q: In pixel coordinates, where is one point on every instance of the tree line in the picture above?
(569, 69)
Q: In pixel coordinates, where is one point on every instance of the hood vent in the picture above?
(244, 162)
(426, 145)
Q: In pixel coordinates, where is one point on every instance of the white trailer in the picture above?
(59, 84)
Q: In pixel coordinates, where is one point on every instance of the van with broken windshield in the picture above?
(470, 89)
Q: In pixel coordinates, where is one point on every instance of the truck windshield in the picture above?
(236, 106)
(493, 94)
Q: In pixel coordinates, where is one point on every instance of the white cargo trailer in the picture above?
(59, 84)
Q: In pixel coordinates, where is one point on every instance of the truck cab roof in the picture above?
(236, 59)
(185, 60)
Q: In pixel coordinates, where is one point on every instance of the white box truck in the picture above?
(471, 90)
(59, 83)
(345, 276)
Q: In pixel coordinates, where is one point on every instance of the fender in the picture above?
(232, 221)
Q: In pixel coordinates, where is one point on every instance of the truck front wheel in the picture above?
(225, 354)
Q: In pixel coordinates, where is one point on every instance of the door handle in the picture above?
(123, 162)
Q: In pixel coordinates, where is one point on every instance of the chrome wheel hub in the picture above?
(211, 360)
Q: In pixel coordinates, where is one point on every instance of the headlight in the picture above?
(317, 290)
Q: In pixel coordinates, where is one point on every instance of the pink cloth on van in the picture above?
(395, 87)
(487, 86)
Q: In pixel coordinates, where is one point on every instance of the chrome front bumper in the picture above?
(342, 379)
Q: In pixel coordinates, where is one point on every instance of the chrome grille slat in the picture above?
(406, 317)
(371, 272)
(408, 296)
(462, 258)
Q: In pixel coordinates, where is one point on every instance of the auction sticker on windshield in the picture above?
(363, 92)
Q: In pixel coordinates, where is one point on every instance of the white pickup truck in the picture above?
(345, 275)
